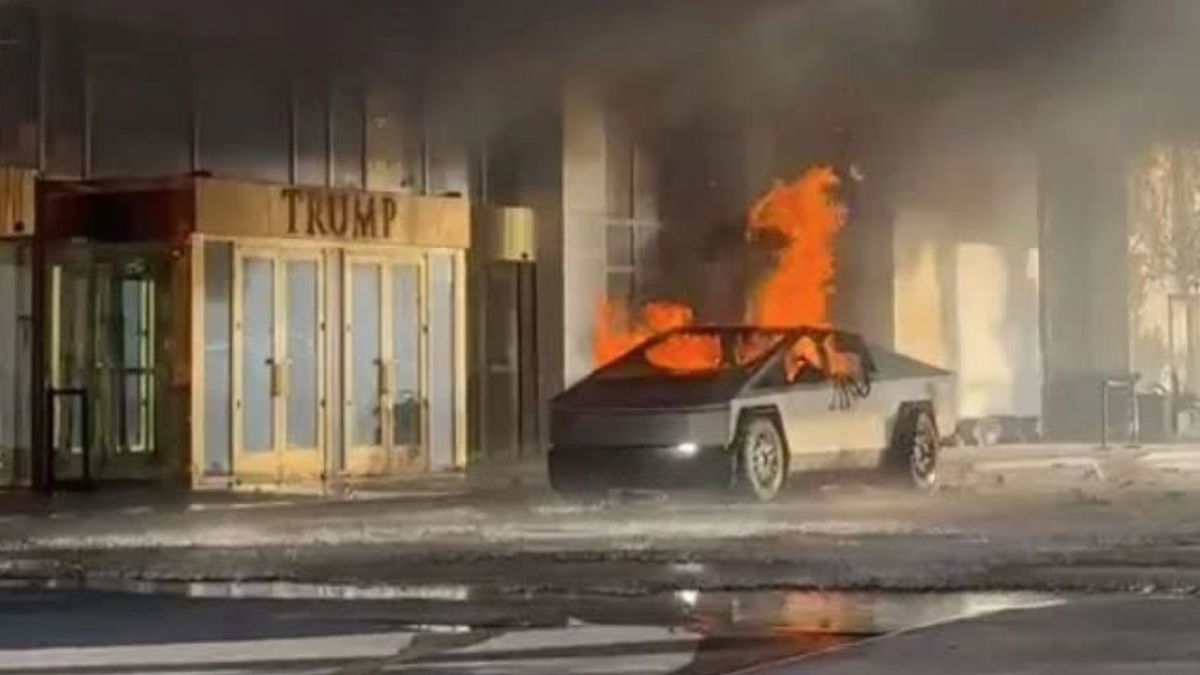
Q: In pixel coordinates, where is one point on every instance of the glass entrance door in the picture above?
(72, 314)
(383, 352)
(279, 399)
(105, 360)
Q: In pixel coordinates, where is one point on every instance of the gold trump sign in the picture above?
(353, 215)
(236, 208)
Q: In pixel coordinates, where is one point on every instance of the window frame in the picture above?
(642, 235)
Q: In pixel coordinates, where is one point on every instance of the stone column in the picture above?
(1084, 257)
(585, 197)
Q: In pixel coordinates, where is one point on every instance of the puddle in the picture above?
(461, 627)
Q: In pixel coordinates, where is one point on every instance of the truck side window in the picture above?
(804, 362)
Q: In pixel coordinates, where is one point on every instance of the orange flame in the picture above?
(806, 216)
(685, 353)
(618, 333)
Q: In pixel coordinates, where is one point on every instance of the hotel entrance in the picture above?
(327, 363)
(330, 338)
(223, 333)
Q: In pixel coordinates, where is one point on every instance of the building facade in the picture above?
(324, 242)
(221, 265)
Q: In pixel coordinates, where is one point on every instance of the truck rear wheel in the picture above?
(762, 462)
(913, 457)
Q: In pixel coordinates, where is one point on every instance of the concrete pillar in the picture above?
(585, 204)
(1084, 259)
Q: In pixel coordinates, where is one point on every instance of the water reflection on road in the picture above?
(289, 628)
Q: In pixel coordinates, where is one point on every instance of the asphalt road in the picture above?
(845, 535)
(687, 634)
(527, 583)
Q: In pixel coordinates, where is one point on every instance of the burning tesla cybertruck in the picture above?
(742, 407)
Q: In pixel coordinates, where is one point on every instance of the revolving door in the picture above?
(108, 329)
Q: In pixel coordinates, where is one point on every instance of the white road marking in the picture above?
(389, 649)
(617, 649)
(358, 646)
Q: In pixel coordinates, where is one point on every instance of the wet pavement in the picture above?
(1098, 636)
(1041, 468)
(845, 535)
(524, 582)
(257, 628)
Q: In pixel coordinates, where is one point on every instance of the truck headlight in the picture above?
(687, 449)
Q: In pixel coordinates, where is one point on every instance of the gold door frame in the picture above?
(382, 459)
(302, 464)
(281, 463)
(261, 466)
(336, 453)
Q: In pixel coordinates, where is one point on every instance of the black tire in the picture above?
(762, 459)
(912, 459)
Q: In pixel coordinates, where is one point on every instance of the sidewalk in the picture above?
(136, 499)
(491, 481)
(1018, 517)
(1038, 468)
(1072, 465)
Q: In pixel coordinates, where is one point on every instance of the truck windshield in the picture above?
(696, 352)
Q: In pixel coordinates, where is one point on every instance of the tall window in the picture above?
(632, 224)
(630, 248)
